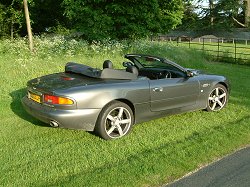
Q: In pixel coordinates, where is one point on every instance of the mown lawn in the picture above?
(155, 153)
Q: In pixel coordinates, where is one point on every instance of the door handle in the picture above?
(158, 89)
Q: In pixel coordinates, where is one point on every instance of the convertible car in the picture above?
(110, 101)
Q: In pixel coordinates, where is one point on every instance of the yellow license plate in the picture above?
(35, 97)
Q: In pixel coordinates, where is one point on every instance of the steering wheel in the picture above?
(162, 75)
(167, 74)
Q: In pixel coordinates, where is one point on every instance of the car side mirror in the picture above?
(190, 73)
(126, 64)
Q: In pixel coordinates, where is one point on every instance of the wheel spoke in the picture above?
(214, 105)
(120, 130)
(111, 129)
(211, 98)
(217, 92)
(222, 95)
(111, 118)
(221, 105)
(124, 121)
(120, 112)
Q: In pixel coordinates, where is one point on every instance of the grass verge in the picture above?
(156, 152)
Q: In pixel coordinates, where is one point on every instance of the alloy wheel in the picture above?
(217, 98)
(118, 122)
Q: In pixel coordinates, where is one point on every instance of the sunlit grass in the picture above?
(237, 53)
(156, 152)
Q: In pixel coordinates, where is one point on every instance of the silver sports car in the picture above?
(110, 101)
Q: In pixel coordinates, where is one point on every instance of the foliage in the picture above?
(190, 17)
(215, 14)
(128, 19)
(47, 16)
(11, 17)
(123, 19)
(229, 9)
(95, 20)
(156, 152)
(224, 11)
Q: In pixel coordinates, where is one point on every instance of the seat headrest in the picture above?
(132, 69)
(107, 64)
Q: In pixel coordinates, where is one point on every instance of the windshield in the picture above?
(153, 62)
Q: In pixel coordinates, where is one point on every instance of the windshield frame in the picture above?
(134, 58)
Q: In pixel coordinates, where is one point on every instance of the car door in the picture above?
(171, 93)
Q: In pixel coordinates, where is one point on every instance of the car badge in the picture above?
(205, 85)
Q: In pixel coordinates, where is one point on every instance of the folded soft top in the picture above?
(106, 73)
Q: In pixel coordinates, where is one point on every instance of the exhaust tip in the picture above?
(54, 124)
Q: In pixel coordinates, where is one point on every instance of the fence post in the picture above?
(218, 54)
(235, 51)
(189, 42)
(203, 44)
(178, 40)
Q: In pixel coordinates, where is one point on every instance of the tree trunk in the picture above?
(247, 12)
(12, 30)
(211, 10)
(27, 16)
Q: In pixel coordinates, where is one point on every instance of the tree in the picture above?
(26, 10)
(211, 12)
(3, 29)
(190, 15)
(247, 12)
(101, 19)
(11, 17)
(219, 14)
(234, 11)
(46, 15)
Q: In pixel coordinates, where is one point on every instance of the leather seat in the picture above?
(132, 69)
(107, 64)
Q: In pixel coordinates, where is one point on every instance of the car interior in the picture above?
(132, 71)
(150, 73)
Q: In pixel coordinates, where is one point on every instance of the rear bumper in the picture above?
(84, 119)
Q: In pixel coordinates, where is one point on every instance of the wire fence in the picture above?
(223, 49)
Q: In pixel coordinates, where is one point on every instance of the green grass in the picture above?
(226, 51)
(156, 152)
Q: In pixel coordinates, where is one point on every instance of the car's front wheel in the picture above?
(217, 98)
(114, 121)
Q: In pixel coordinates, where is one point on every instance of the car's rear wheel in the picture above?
(217, 98)
(114, 121)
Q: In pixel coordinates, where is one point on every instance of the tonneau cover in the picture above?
(106, 73)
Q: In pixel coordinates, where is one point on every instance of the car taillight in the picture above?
(55, 100)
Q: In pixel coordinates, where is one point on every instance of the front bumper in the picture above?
(84, 119)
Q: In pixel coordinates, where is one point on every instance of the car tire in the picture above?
(217, 99)
(114, 121)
